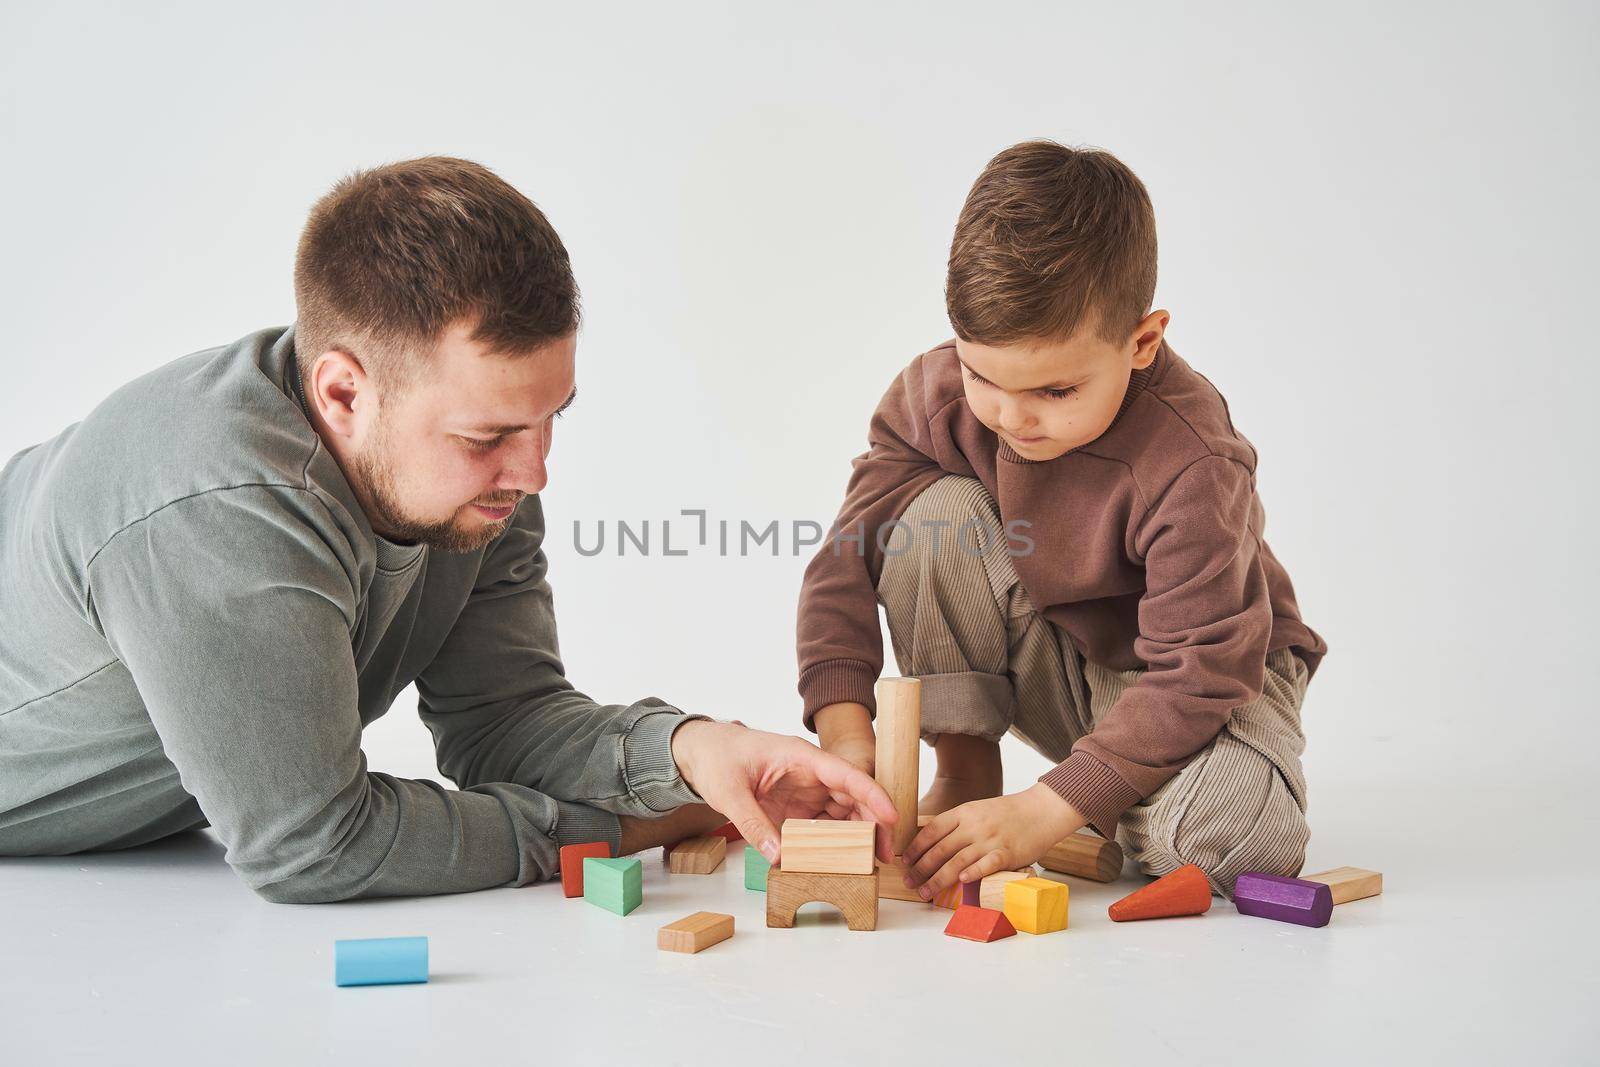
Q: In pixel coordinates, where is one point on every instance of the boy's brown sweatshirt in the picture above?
(1148, 550)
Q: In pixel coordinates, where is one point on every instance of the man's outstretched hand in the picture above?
(759, 779)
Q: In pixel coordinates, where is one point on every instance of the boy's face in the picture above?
(1045, 398)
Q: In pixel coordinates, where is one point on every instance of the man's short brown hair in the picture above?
(1052, 239)
(392, 256)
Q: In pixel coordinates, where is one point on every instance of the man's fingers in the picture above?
(754, 826)
(836, 810)
(840, 775)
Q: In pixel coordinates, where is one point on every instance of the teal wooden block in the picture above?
(616, 885)
(380, 961)
(755, 869)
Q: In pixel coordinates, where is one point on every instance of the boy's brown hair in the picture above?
(393, 255)
(1052, 239)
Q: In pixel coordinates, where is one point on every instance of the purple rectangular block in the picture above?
(970, 893)
(1289, 900)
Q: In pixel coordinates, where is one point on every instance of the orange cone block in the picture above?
(1183, 892)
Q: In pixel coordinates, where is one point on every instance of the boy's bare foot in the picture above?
(946, 793)
(969, 769)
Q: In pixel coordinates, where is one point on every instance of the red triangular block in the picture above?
(979, 924)
(1183, 892)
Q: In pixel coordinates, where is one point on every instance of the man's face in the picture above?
(446, 462)
(1045, 398)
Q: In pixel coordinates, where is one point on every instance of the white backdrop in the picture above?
(1377, 231)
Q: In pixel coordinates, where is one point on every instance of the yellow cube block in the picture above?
(1036, 905)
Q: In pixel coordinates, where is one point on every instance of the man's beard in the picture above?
(380, 498)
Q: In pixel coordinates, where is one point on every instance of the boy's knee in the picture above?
(951, 502)
(1231, 832)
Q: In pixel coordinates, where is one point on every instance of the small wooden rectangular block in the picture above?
(826, 846)
(692, 933)
(1349, 883)
(697, 855)
(1085, 856)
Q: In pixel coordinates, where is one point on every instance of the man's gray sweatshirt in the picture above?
(197, 620)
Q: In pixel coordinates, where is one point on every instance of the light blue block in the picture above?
(380, 961)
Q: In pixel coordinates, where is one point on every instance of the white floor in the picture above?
(1481, 950)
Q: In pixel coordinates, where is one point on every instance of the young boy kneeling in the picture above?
(1062, 525)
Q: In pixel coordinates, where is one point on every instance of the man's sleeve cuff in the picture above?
(1097, 792)
(836, 681)
(579, 824)
(647, 764)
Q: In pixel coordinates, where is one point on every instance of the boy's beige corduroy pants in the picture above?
(960, 620)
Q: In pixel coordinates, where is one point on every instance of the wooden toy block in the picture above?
(616, 885)
(1036, 905)
(380, 961)
(854, 894)
(572, 857)
(898, 724)
(728, 832)
(950, 898)
(697, 855)
(1085, 856)
(979, 924)
(1288, 900)
(826, 846)
(692, 933)
(1186, 891)
(892, 886)
(755, 869)
(992, 890)
(1349, 883)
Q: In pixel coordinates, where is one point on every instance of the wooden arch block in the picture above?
(854, 894)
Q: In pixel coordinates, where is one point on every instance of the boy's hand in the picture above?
(976, 839)
(759, 779)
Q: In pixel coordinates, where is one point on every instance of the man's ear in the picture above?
(1147, 337)
(340, 390)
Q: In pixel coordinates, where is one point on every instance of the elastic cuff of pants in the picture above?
(579, 824)
(1097, 792)
(648, 766)
(970, 702)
